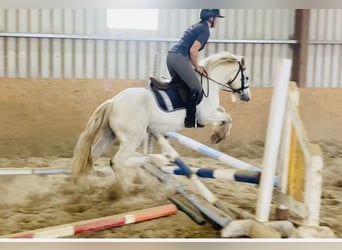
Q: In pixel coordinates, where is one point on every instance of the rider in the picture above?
(182, 59)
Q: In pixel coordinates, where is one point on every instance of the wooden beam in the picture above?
(300, 50)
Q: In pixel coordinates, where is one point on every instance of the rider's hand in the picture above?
(201, 70)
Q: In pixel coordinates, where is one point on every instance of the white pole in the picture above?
(148, 141)
(284, 150)
(212, 153)
(272, 144)
(156, 65)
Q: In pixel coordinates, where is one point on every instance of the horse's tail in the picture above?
(82, 162)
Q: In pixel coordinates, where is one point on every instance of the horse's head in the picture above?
(229, 71)
(240, 88)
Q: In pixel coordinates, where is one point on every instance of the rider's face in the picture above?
(215, 21)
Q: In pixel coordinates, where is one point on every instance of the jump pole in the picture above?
(34, 171)
(215, 154)
(212, 153)
(43, 171)
(206, 193)
(98, 224)
(221, 218)
(188, 211)
(226, 174)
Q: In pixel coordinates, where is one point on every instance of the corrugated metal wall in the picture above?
(325, 49)
(97, 52)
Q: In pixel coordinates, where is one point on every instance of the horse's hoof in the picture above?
(215, 139)
(158, 160)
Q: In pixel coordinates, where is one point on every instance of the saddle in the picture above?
(163, 85)
(170, 96)
(171, 92)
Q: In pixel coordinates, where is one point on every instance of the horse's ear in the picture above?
(243, 61)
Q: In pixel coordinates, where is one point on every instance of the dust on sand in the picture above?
(32, 202)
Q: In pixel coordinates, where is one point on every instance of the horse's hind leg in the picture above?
(127, 157)
(105, 139)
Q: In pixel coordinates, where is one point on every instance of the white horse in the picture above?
(129, 115)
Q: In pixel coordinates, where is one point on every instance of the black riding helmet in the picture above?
(205, 14)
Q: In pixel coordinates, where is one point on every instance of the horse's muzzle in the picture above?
(244, 97)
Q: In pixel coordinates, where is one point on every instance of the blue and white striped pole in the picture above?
(172, 153)
(226, 174)
(212, 153)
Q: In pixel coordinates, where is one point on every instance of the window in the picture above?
(139, 19)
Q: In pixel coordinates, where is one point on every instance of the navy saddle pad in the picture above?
(168, 100)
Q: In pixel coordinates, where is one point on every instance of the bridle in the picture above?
(228, 85)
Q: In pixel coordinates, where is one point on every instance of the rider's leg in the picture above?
(190, 119)
(180, 66)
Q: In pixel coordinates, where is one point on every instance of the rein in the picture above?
(228, 85)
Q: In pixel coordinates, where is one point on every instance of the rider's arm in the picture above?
(194, 56)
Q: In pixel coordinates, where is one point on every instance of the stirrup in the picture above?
(199, 125)
(196, 125)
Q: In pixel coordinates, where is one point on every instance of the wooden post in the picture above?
(313, 186)
(300, 50)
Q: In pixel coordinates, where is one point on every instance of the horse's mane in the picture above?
(219, 58)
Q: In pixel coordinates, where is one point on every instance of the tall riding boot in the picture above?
(190, 119)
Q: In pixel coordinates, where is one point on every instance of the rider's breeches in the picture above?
(180, 66)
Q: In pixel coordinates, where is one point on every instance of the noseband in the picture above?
(228, 85)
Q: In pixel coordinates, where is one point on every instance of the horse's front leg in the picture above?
(222, 124)
(222, 130)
